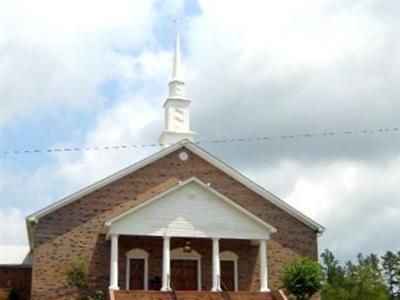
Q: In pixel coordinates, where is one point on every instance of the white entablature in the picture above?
(176, 107)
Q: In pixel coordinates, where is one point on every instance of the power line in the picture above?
(215, 141)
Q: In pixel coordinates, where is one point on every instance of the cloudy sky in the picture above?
(94, 73)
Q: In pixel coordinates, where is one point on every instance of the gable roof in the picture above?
(193, 147)
(236, 207)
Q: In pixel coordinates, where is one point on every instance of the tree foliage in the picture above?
(365, 280)
(391, 271)
(303, 278)
(336, 281)
(368, 278)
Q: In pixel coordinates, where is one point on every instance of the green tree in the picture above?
(391, 269)
(336, 281)
(365, 279)
(397, 278)
(303, 278)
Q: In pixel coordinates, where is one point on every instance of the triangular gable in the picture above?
(190, 209)
(160, 154)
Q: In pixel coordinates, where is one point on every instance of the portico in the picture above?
(191, 211)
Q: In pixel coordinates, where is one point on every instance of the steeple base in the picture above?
(168, 137)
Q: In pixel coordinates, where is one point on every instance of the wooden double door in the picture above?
(184, 274)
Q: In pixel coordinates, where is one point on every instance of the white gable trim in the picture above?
(198, 151)
(270, 228)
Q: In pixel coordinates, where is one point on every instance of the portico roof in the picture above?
(190, 209)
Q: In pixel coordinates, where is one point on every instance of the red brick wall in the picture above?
(15, 278)
(74, 230)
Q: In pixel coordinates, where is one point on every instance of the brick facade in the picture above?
(74, 231)
(16, 278)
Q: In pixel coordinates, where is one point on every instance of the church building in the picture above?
(180, 222)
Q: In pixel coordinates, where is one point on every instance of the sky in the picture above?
(95, 73)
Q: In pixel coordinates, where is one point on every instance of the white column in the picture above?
(114, 263)
(263, 267)
(216, 270)
(166, 275)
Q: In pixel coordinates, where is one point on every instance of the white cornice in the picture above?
(176, 100)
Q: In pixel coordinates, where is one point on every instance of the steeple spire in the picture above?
(177, 105)
(177, 85)
(176, 67)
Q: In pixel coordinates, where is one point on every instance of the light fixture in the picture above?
(187, 248)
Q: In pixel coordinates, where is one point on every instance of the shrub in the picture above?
(78, 275)
(303, 278)
(96, 295)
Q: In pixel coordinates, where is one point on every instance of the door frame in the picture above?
(137, 253)
(178, 254)
(231, 256)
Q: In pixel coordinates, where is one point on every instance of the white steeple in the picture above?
(176, 106)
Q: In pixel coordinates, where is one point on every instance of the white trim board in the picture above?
(158, 155)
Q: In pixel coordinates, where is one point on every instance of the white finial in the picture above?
(176, 67)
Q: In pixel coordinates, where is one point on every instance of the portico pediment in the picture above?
(190, 209)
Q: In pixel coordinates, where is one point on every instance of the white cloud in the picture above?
(146, 66)
(12, 229)
(293, 67)
(57, 54)
(124, 122)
